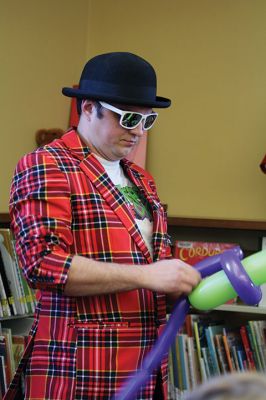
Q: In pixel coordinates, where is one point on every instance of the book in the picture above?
(221, 355)
(7, 334)
(247, 348)
(3, 383)
(230, 362)
(253, 345)
(184, 361)
(207, 363)
(3, 366)
(4, 306)
(7, 289)
(210, 332)
(192, 252)
(178, 362)
(235, 344)
(200, 328)
(29, 295)
(193, 364)
(10, 262)
(11, 276)
(261, 341)
(203, 373)
(18, 348)
(173, 368)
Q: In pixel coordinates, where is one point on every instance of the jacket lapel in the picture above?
(159, 221)
(101, 181)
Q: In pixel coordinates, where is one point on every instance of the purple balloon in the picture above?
(249, 293)
(239, 279)
(212, 264)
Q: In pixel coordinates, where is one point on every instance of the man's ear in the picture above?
(87, 107)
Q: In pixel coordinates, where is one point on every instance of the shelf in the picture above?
(12, 317)
(241, 309)
(216, 223)
(4, 218)
(198, 223)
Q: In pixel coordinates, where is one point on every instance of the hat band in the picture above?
(106, 88)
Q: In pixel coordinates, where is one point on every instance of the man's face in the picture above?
(108, 138)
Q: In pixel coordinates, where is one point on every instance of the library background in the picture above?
(206, 152)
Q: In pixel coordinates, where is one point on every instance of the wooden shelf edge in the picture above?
(4, 217)
(216, 223)
(242, 309)
(198, 223)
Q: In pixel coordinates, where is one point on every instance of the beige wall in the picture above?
(42, 49)
(210, 57)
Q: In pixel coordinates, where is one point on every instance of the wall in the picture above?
(43, 45)
(210, 58)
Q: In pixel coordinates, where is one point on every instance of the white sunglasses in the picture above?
(131, 119)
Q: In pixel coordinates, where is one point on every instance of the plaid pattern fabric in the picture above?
(63, 203)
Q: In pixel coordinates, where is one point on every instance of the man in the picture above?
(91, 236)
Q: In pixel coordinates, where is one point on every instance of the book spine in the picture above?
(209, 337)
(249, 354)
(228, 355)
(253, 349)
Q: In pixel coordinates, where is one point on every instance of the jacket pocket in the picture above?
(108, 354)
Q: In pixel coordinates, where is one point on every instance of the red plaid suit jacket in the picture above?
(63, 203)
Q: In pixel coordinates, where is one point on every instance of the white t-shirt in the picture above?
(134, 199)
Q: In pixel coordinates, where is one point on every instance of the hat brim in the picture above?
(160, 102)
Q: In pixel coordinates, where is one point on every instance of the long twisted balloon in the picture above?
(226, 276)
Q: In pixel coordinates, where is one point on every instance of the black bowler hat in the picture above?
(118, 77)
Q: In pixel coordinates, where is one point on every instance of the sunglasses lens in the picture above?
(130, 120)
(149, 121)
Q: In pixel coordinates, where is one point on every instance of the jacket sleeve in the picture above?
(41, 221)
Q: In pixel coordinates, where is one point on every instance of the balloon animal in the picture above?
(225, 277)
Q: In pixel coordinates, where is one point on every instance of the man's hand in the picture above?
(173, 277)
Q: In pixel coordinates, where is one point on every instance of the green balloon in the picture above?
(216, 289)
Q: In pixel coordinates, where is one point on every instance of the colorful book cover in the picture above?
(3, 383)
(230, 362)
(192, 252)
(255, 340)
(7, 333)
(258, 328)
(9, 266)
(194, 368)
(207, 362)
(4, 375)
(235, 344)
(210, 332)
(221, 355)
(8, 293)
(183, 361)
(247, 348)
(253, 347)
(179, 367)
(18, 347)
(203, 372)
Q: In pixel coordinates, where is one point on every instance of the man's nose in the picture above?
(139, 129)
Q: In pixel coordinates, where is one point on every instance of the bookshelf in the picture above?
(248, 234)
(17, 305)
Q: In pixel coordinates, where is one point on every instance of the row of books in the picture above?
(12, 346)
(206, 348)
(16, 297)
